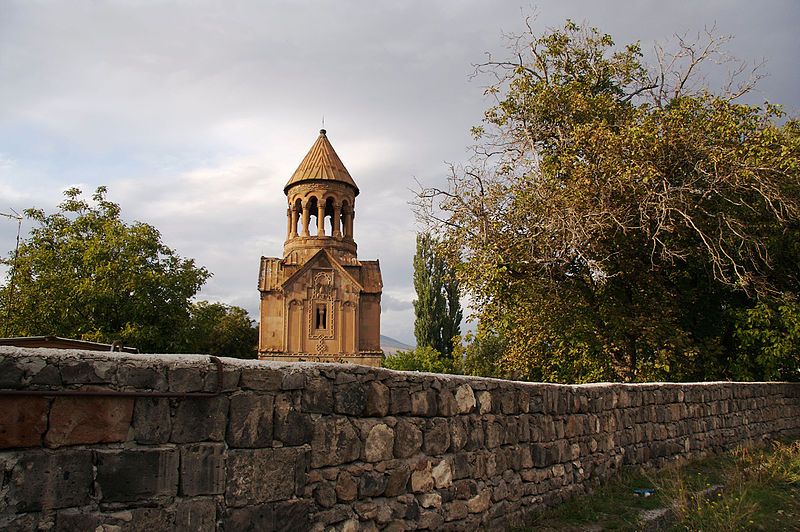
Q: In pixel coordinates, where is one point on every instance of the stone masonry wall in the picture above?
(335, 447)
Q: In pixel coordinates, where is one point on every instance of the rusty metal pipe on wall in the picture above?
(116, 393)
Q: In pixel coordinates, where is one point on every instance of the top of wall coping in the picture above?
(202, 362)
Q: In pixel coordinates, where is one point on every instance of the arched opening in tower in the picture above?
(329, 229)
(297, 216)
(313, 213)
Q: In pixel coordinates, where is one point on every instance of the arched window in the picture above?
(321, 316)
(312, 212)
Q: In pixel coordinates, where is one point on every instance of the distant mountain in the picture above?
(391, 346)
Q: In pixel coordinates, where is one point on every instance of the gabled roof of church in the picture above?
(321, 164)
(314, 259)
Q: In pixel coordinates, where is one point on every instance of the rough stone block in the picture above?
(442, 474)
(475, 434)
(202, 469)
(11, 373)
(250, 420)
(335, 442)
(379, 444)
(49, 375)
(260, 475)
(372, 484)
(23, 420)
(447, 403)
(423, 403)
(465, 488)
(436, 437)
(377, 399)
(408, 439)
(430, 500)
(200, 419)
(142, 378)
(42, 480)
(151, 420)
(465, 399)
(400, 401)
(461, 465)
(455, 510)
(508, 401)
(187, 379)
(325, 494)
(484, 402)
(196, 514)
(430, 520)
(150, 519)
(291, 426)
(421, 477)
(87, 420)
(494, 434)
(78, 519)
(481, 502)
(405, 507)
(366, 510)
(84, 372)
(131, 475)
(293, 380)
(458, 434)
(350, 399)
(346, 487)
(261, 378)
(397, 481)
(257, 518)
(318, 396)
(293, 515)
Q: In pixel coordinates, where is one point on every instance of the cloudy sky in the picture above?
(195, 114)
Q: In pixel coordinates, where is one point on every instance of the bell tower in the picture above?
(319, 302)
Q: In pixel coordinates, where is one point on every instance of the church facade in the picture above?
(319, 302)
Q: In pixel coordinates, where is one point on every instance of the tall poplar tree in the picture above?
(437, 307)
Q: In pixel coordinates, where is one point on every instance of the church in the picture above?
(320, 302)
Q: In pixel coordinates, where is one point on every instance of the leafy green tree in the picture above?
(625, 222)
(222, 330)
(84, 273)
(482, 355)
(423, 358)
(768, 341)
(437, 307)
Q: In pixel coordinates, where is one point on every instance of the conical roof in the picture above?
(321, 164)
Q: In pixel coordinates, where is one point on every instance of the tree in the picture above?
(482, 355)
(85, 273)
(423, 358)
(437, 307)
(222, 330)
(619, 222)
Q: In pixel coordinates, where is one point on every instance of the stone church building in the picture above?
(319, 302)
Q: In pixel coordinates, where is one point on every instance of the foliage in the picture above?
(221, 330)
(84, 273)
(423, 358)
(624, 223)
(761, 492)
(437, 307)
(768, 341)
(481, 356)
